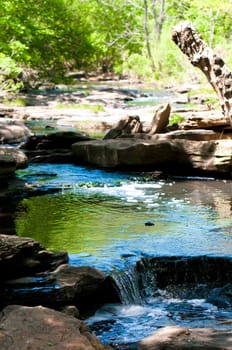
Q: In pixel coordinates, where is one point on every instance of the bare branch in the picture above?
(201, 56)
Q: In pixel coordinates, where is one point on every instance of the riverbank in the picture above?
(95, 106)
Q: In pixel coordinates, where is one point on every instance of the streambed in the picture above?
(110, 220)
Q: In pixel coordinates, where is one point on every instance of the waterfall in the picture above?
(127, 286)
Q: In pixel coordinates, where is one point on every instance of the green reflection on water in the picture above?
(78, 223)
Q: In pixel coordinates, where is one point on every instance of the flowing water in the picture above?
(110, 220)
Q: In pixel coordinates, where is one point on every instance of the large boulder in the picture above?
(180, 338)
(174, 155)
(125, 153)
(24, 328)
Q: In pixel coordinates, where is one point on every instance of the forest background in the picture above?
(47, 39)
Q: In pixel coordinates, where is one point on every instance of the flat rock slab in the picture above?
(24, 328)
(178, 338)
(180, 155)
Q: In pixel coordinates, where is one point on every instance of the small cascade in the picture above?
(147, 279)
(126, 283)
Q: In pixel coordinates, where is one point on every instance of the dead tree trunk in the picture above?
(201, 56)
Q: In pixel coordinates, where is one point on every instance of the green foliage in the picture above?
(49, 38)
(9, 72)
(138, 65)
(15, 102)
(92, 107)
(175, 119)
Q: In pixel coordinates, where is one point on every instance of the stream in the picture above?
(111, 220)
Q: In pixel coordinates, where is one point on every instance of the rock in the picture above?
(24, 328)
(213, 121)
(132, 126)
(52, 148)
(182, 270)
(192, 135)
(84, 287)
(160, 119)
(128, 126)
(176, 156)
(60, 156)
(213, 157)
(71, 310)
(11, 159)
(25, 257)
(180, 338)
(12, 132)
(56, 140)
(31, 275)
(125, 153)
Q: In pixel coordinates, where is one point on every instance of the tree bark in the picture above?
(201, 56)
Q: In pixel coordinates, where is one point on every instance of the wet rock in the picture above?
(84, 287)
(25, 257)
(42, 328)
(221, 297)
(149, 223)
(179, 338)
(181, 270)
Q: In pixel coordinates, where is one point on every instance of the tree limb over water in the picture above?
(203, 57)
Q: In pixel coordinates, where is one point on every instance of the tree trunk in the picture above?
(158, 11)
(147, 34)
(201, 56)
